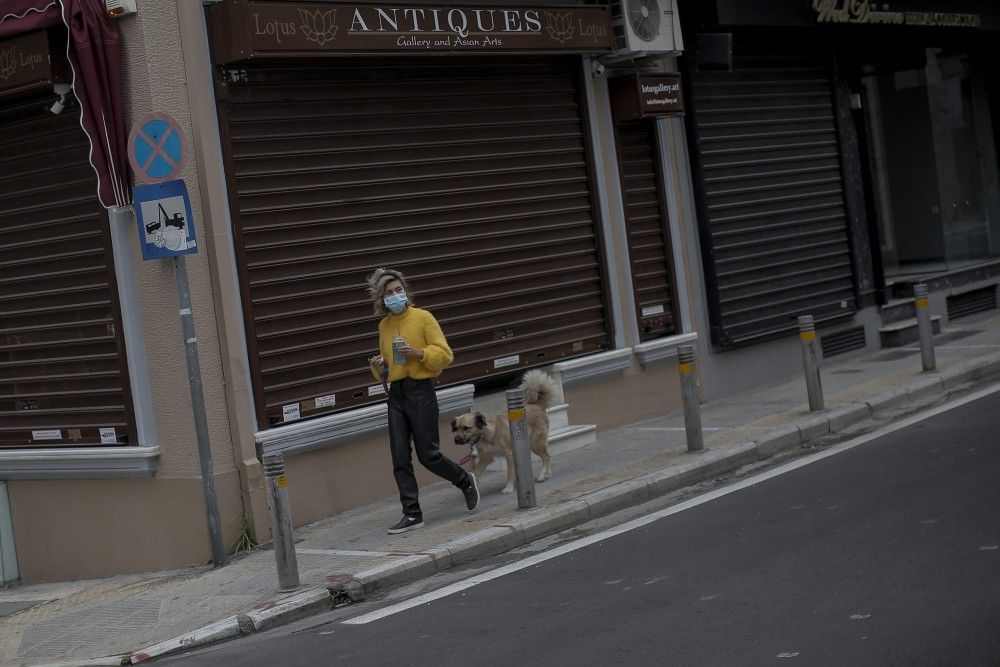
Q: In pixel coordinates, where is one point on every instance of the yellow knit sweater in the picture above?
(421, 331)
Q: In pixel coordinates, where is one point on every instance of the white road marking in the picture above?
(860, 617)
(653, 581)
(642, 521)
(989, 547)
(613, 581)
(788, 655)
(345, 552)
(676, 428)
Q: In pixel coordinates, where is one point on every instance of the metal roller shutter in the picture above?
(472, 178)
(62, 363)
(645, 220)
(774, 224)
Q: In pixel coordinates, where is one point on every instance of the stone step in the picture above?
(897, 310)
(558, 417)
(561, 440)
(900, 334)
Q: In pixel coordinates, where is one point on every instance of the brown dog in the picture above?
(488, 436)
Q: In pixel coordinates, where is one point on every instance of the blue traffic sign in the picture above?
(166, 226)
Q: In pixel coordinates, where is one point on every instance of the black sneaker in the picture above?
(471, 493)
(407, 523)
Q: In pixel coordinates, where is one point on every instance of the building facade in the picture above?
(840, 153)
(503, 156)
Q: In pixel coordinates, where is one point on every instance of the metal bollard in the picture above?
(810, 361)
(924, 326)
(281, 522)
(524, 479)
(689, 395)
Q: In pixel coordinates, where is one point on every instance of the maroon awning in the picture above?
(17, 16)
(94, 51)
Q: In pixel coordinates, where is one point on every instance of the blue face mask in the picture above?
(395, 303)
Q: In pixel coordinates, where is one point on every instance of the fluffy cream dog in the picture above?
(488, 436)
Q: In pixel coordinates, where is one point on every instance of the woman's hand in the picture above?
(377, 364)
(412, 352)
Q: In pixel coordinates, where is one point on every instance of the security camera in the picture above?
(597, 68)
(62, 90)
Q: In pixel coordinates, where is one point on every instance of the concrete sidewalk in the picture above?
(128, 619)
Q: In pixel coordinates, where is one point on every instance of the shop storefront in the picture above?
(448, 142)
(841, 152)
(63, 378)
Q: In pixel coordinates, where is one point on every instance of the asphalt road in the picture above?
(885, 554)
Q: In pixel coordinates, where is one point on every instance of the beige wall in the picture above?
(77, 529)
(635, 397)
(329, 481)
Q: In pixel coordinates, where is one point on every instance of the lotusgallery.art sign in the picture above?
(646, 96)
(248, 29)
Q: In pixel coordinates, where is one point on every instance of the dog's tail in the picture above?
(539, 388)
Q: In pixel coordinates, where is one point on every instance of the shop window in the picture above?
(933, 164)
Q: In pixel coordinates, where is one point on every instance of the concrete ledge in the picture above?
(592, 367)
(290, 608)
(484, 543)
(924, 388)
(224, 629)
(327, 431)
(736, 456)
(399, 571)
(814, 426)
(613, 498)
(79, 463)
(848, 415)
(778, 441)
(548, 520)
(662, 350)
(662, 482)
(888, 400)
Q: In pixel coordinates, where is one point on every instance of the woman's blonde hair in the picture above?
(376, 288)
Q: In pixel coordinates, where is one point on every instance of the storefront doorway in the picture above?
(932, 162)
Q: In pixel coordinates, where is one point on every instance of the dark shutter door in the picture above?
(645, 220)
(62, 369)
(473, 179)
(775, 233)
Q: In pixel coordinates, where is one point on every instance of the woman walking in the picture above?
(413, 351)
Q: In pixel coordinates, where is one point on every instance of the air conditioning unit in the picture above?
(645, 27)
(119, 8)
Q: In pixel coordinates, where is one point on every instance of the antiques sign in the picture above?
(26, 62)
(646, 96)
(864, 11)
(248, 29)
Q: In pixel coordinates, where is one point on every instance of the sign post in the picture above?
(166, 230)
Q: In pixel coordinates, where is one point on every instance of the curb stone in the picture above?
(814, 426)
(848, 415)
(109, 660)
(924, 388)
(291, 608)
(387, 575)
(224, 629)
(774, 442)
(549, 520)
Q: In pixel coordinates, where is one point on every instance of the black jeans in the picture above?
(413, 413)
